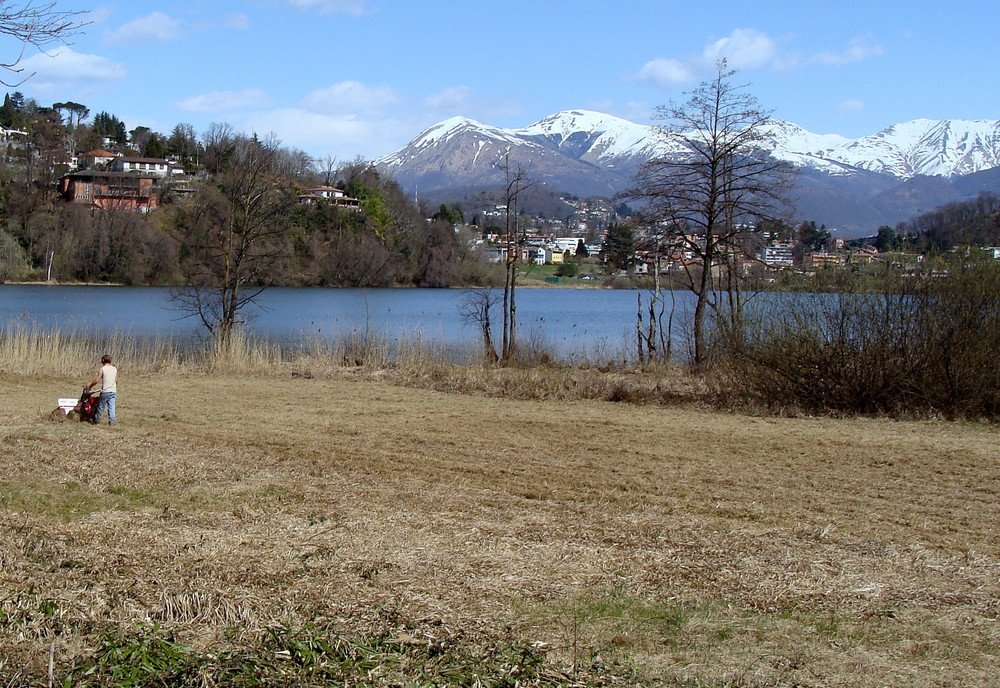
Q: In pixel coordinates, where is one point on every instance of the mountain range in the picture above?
(853, 185)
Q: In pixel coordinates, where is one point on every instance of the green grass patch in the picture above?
(70, 500)
(615, 627)
(312, 656)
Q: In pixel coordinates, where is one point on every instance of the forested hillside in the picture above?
(383, 239)
(969, 223)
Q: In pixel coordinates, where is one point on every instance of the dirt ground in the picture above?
(673, 546)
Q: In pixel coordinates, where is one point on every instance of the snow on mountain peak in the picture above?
(904, 150)
(569, 122)
(597, 137)
(927, 147)
(448, 128)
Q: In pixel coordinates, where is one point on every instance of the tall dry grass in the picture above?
(38, 351)
(414, 362)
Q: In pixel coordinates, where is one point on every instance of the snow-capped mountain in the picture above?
(463, 152)
(589, 153)
(597, 138)
(943, 148)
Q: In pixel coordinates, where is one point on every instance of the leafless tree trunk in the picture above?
(239, 244)
(516, 183)
(476, 307)
(721, 181)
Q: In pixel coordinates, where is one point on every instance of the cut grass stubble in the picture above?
(626, 543)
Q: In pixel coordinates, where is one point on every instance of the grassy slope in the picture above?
(666, 544)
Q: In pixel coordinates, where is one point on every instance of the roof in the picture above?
(158, 161)
(109, 175)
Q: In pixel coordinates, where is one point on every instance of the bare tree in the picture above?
(516, 182)
(238, 226)
(218, 143)
(36, 24)
(327, 168)
(476, 308)
(708, 194)
(655, 339)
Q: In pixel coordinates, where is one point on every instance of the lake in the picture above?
(590, 324)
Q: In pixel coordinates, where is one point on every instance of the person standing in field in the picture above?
(107, 378)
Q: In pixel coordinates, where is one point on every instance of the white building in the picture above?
(777, 255)
(153, 167)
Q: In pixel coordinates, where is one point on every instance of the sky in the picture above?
(347, 79)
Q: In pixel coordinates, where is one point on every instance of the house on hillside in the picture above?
(863, 256)
(154, 167)
(329, 194)
(98, 159)
(495, 254)
(12, 140)
(106, 190)
(822, 259)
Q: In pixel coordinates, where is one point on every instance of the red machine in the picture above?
(87, 406)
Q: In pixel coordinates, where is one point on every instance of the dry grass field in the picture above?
(634, 544)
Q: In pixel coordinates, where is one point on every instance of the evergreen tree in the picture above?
(7, 113)
(109, 126)
(619, 246)
(886, 239)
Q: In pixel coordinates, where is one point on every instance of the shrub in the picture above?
(923, 345)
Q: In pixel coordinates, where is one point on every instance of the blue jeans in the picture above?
(106, 400)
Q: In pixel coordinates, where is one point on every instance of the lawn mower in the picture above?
(84, 409)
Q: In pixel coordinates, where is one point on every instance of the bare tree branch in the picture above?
(720, 182)
(36, 24)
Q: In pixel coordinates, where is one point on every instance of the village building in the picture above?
(822, 259)
(98, 159)
(155, 167)
(108, 190)
(329, 194)
(779, 254)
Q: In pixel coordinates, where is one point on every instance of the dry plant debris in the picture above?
(636, 544)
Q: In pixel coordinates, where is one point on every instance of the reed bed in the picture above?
(29, 350)
(361, 354)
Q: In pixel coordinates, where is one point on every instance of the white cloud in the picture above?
(349, 119)
(666, 73)
(744, 49)
(859, 49)
(851, 106)
(342, 136)
(354, 8)
(449, 98)
(237, 21)
(65, 69)
(462, 100)
(156, 27)
(633, 111)
(224, 101)
(350, 97)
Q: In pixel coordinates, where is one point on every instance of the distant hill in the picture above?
(854, 185)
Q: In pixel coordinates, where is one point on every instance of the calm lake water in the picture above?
(596, 324)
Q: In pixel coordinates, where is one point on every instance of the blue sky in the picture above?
(350, 78)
